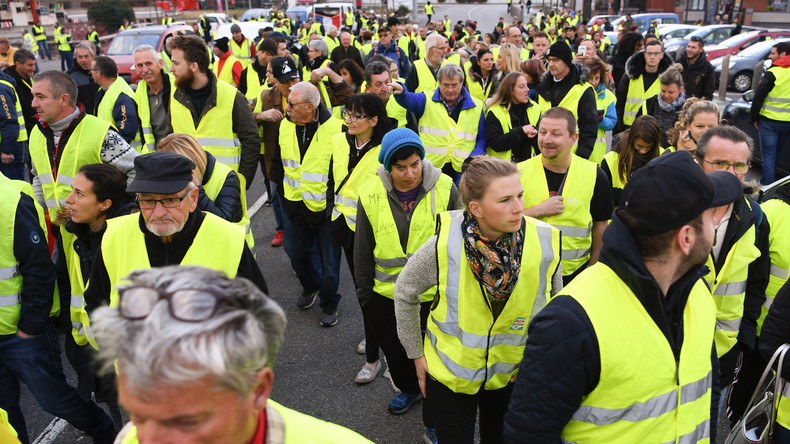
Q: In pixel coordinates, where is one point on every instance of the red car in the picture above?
(738, 43)
(122, 47)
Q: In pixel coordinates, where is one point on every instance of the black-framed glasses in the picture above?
(723, 165)
(351, 117)
(186, 304)
(168, 202)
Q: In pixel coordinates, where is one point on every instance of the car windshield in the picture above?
(328, 11)
(702, 32)
(737, 40)
(124, 44)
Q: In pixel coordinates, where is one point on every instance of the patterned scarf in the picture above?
(496, 264)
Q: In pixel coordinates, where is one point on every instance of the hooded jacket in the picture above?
(699, 78)
(562, 361)
(587, 109)
(634, 68)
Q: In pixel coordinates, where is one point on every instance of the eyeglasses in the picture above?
(351, 117)
(294, 104)
(186, 304)
(723, 165)
(168, 202)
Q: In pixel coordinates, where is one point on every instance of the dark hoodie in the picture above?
(699, 78)
(766, 85)
(562, 361)
(586, 110)
(634, 68)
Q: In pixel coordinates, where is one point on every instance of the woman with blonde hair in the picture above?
(696, 116)
(512, 120)
(495, 268)
(509, 58)
(222, 191)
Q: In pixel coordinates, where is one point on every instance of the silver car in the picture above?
(741, 66)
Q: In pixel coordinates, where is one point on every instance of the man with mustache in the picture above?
(152, 96)
(167, 231)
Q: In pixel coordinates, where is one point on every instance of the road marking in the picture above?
(469, 14)
(52, 431)
(258, 204)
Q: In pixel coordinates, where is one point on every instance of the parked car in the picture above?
(255, 14)
(737, 113)
(741, 67)
(642, 21)
(711, 34)
(300, 12)
(672, 31)
(122, 47)
(248, 29)
(740, 42)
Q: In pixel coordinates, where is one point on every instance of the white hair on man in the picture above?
(149, 48)
(307, 92)
(319, 45)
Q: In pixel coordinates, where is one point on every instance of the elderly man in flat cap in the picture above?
(167, 231)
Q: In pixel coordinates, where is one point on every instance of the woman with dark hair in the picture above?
(351, 73)
(631, 43)
(533, 69)
(511, 121)
(635, 148)
(354, 162)
(484, 77)
(98, 193)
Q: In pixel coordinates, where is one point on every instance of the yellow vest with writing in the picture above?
(728, 287)
(218, 245)
(503, 115)
(82, 147)
(108, 103)
(575, 222)
(388, 253)
(465, 347)
(20, 119)
(218, 139)
(643, 393)
(306, 179)
(446, 140)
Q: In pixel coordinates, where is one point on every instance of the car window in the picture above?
(124, 44)
(721, 34)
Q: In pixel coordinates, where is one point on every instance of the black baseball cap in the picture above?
(672, 190)
(161, 172)
(284, 69)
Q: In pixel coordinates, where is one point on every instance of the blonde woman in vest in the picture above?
(221, 191)
(697, 116)
(511, 121)
(604, 98)
(354, 162)
(509, 58)
(634, 149)
(495, 270)
(98, 193)
(483, 77)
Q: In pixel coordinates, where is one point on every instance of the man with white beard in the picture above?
(168, 231)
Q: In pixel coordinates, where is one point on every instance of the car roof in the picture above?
(153, 29)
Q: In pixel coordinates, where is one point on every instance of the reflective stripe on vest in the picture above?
(777, 212)
(728, 287)
(575, 222)
(144, 111)
(669, 401)
(20, 119)
(777, 102)
(388, 253)
(503, 115)
(219, 140)
(599, 149)
(79, 317)
(214, 185)
(306, 181)
(445, 140)
(241, 52)
(10, 279)
(218, 245)
(108, 104)
(637, 98)
(350, 182)
(82, 147)
(469, 349)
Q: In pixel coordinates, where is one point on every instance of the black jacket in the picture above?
(339, 54)
(666, 119)
(86, 87)
(25, 97)
(587, 107)
(161, 254)
(562, 361)
(634, 68)
(699, 78)
(520, 146)
(227, 204)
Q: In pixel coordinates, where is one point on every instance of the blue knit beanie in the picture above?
(395, 140)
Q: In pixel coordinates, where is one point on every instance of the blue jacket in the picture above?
(610, 117)
(394, 52)
(415, 102)
(9, 125)
(125, 109)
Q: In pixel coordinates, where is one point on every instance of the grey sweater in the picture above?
(364, 241)
(420, 274)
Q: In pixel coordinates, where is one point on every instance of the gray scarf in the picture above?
(674, 106)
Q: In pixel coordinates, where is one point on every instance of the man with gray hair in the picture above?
(195, 347)
(84, 53)
(152, 96)
(451, 121)
(302, 161)
(422, 75)
(322, 72)
(67, 138)
(378, 79)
